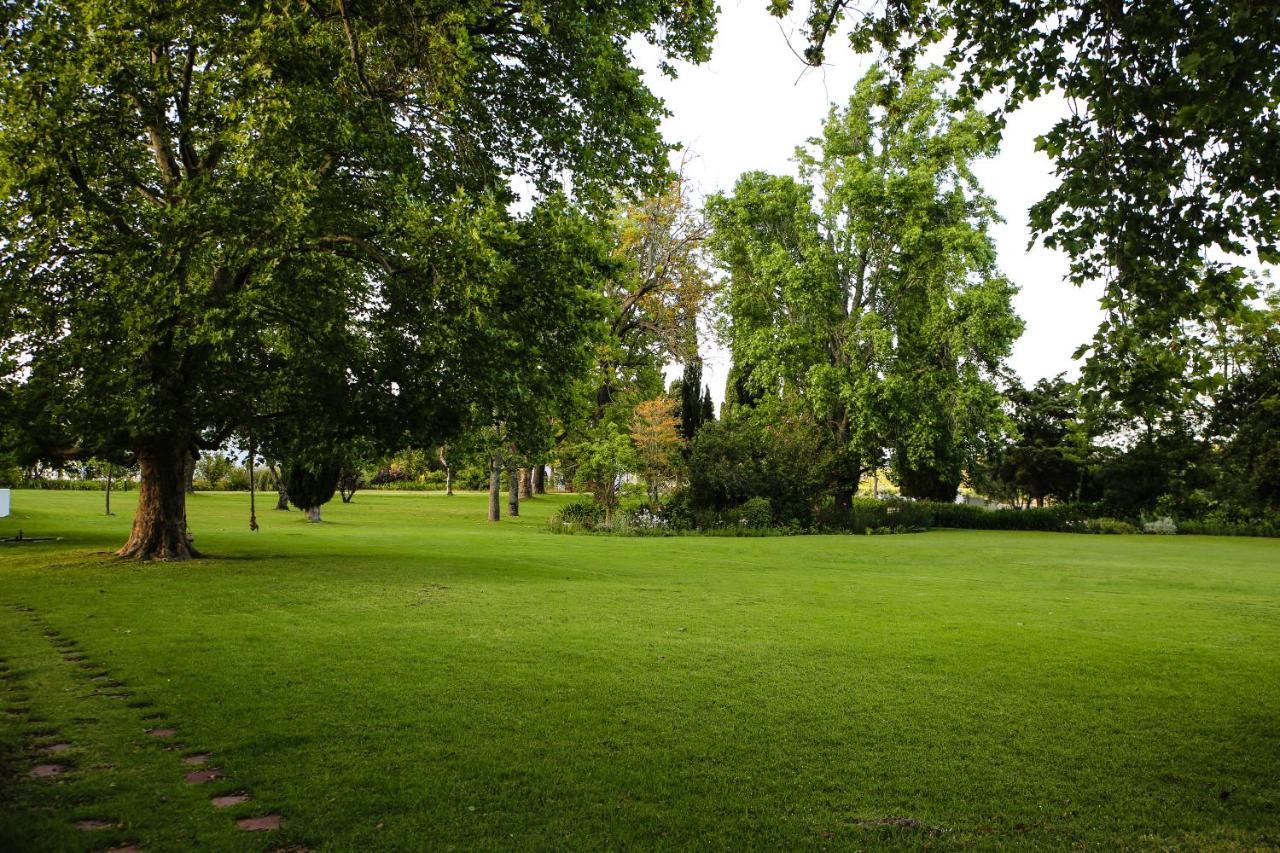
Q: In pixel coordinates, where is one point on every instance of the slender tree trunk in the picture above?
(282, 497)
(526, 483)
(189, 460)
(539, 479)
(448, 470)
(495, 472)
(108, 490)
(513, 492)
(160, 523)
(253, 492)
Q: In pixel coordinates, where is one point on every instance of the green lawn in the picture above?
(407, 676)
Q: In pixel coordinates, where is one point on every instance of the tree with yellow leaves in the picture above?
(655, 432)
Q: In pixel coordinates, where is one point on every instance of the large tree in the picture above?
(868, 288)
(185, 186)
(1166, 158)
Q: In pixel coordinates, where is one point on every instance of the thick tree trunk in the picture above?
(160, 523)
(513, 492)
(189, 460)
(495, 473)
(313, 514)
(844, 498)
(539, 479)
(526, 483)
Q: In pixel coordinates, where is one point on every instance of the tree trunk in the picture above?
(189, 460)
(539, 479)
(282, 497)
(160, 523)
(448, 470)
(513, 492)
(526, 483)
(495, 471)
(844, 498)
(313, 514)
(108, 491)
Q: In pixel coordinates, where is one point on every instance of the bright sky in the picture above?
(754, 102)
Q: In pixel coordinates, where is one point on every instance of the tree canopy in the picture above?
(205, 208)
(868, 288)
(1165, 161)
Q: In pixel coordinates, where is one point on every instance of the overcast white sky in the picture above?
(754, 102)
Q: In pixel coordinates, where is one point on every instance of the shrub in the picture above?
(642, 520)
(1109, 526)
(865, 514)
(678, 510)
(1164, 526)
(583, 513)
(756, 513)
(769, 453)
(1218, 527)
(122, 484)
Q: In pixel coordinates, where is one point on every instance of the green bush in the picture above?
(767, 452)
(582, 514)
(1161, 526)
(1218, 527)
(756, 513)
(678, 510)
(121, 485)
(1109, 526)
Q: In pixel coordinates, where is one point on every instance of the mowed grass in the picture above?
(408, 676)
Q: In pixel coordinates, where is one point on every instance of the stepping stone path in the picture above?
(229, 800)
(260, 824)
(110, 688)
(46, 771)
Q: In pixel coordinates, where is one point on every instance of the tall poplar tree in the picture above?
(868, 289)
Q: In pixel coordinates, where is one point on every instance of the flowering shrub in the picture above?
(1164, 526)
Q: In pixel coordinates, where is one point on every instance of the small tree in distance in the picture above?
(655, 432)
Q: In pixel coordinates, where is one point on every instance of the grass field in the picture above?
(407, 676)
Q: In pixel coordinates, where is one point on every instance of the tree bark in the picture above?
(189, 460)
(513, 492)
(282, 497)
(313, 514)
(539, 479)
(160, 523)
(495, 471)
(526, 483)
(108, 491)
(448, 470)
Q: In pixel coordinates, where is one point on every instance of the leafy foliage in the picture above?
(655, 434)
(868, 288)
(279, 214)
(1164, 160)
